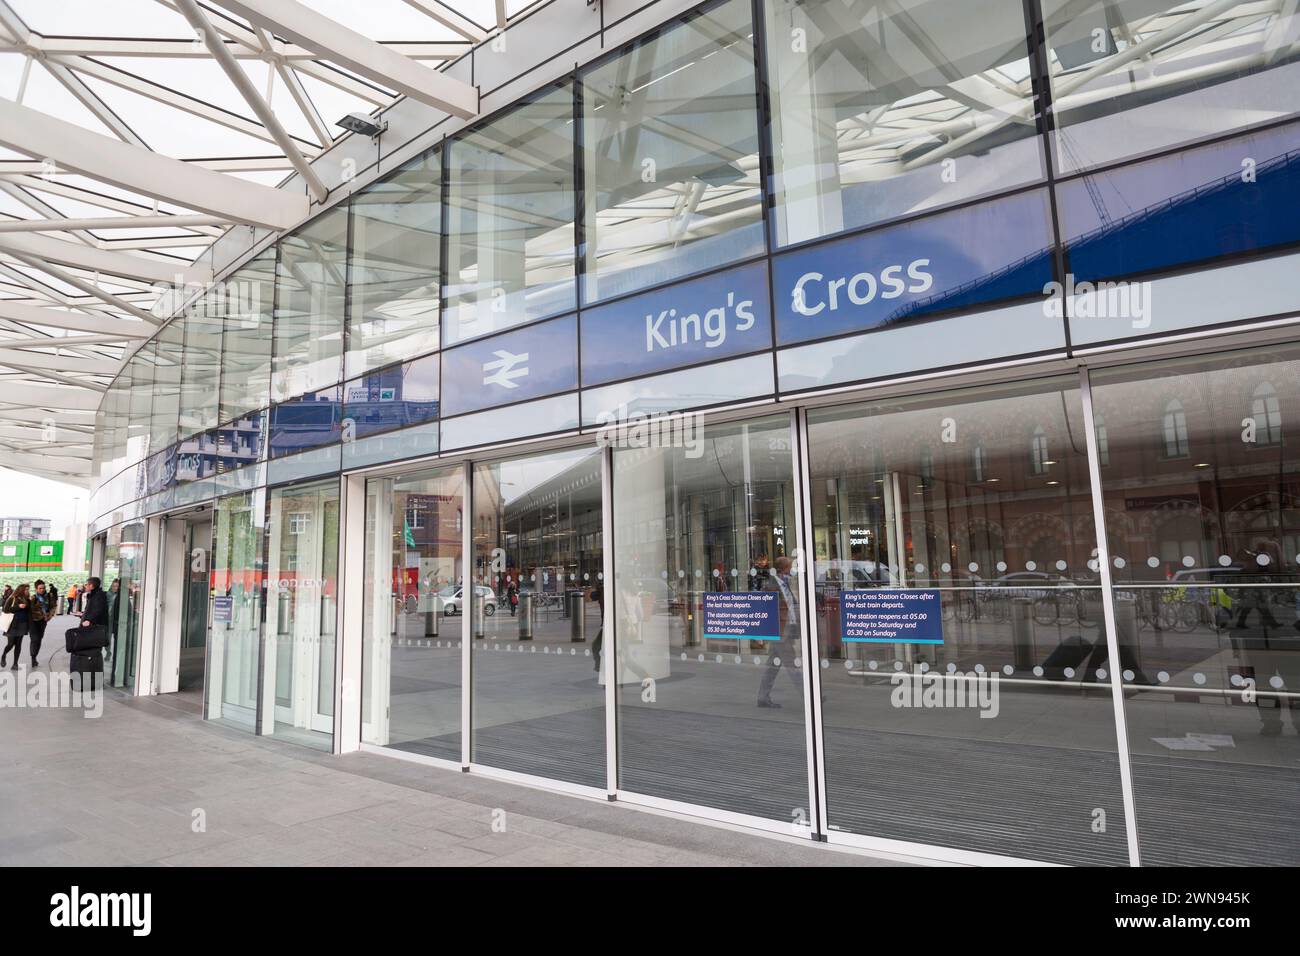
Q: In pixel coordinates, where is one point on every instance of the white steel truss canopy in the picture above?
(133, 133)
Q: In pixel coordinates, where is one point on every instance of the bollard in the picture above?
(282, 614)
(478, 604)
(577, 617)
(1022, 632)
(431, 617)
(526, 616)
(695, 624)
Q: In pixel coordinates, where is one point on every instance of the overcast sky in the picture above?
(25, 496)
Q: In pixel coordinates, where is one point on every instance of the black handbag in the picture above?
(80, 640)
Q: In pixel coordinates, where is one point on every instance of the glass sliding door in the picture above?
(238, 580)
(301, 619)
(411, 658)
(538, 706)
(710, 647)
(127, 544)
(1200, 475)
(965, 674)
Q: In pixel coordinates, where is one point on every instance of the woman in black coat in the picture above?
(19, 605)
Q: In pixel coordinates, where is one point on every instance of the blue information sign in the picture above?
(223, 607)
(715, 317)
(891, 616)
(742, 614)
(984, 253)
(528, 362)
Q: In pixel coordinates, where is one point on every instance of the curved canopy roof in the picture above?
(133, 132)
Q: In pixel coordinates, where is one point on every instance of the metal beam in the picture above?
(235, 73)
(90, 288)
(27, 360)
(357, 53)
(80, 256)
(139, 170)
(110, 222)
(49, 396)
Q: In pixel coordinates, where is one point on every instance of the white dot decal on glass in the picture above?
(1038, 671)
(683, 655)
(734, 572)
(1235, 680)
(825, 664)
(532, 577)
(698, 572)
(600, 575)
(1128, 675)
(1163, 677)
(737, 658)
(945, 567)
(1061, 565)
(717, 659)
(681, 573)
(1277, 683)
(1198, 679)
(1262, 560)
(920, 569)
(1189, 561)
(586, 653)
(1101, 673)
(848, 665)
(798, 662)
(586, 576)
(757, 660)
(924, 667)
(1008, 669)
(898, 665)
(1093, 564)
(1031, 565)
(1120, 562)
(1002, 566)
(1069, 672)
(717, 573)
(1153, 562)
(753, 571)
(979, 668)
(700, 658)
(532, 650)
(664, 574)
(952, 668)
(1224, 560)
(972, 567)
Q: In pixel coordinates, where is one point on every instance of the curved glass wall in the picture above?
(311, 279)
(246, 338)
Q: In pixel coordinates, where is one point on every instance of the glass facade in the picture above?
(882, 615)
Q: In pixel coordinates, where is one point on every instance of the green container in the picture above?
(44, 556)
(13, 555)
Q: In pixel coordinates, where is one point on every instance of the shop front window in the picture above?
(710, 668)
(237, 587)
(538, 590)
(960, 625)
(411, 658)
(1204, 549)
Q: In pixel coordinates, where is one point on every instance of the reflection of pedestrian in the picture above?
(784, 649)
(512, 598)
(598, 595)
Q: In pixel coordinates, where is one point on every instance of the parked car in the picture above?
(449, 600)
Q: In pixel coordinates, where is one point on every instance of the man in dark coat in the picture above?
(96, 604)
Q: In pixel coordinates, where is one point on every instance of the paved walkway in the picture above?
(151, 783)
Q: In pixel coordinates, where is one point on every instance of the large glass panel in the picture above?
(139, 404)
(1202, 497)
(201, 377)
(411, 658)
(1133, 76)
(704, 533)
(959, 617)
(883, 108)
(237, 581)
(393, 274)
(537, 707)
(308, 421)
(312, 278)
(168, 359)
(301, 614)
(671, 155)
(510, 242)
(127, 545)
(390, 398)
(246, 342)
